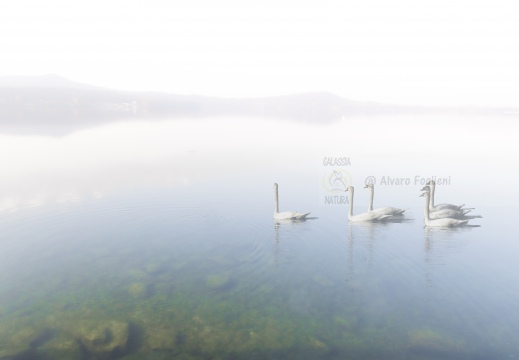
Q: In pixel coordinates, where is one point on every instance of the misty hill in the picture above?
(52, 100)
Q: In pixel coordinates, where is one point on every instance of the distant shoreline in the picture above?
(55, 101)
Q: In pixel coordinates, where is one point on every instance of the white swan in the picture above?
(367, 216)
(449, 213)
(444, 213)
(438, 222)
(286, 215)
(433, 207)
(387, 210)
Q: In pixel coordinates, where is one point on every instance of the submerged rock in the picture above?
(62, 347)
(161, 339)
(102, 339)
(317, 344)
(16, 343)
(138, 290)
(155, 268)
(217, 281)
(22, 341)
(344, 323)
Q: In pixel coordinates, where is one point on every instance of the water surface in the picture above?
(154, 245)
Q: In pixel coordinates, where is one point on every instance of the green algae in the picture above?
(212, 326)
(138, 290)
(218, 280)
(200, 311)
(427, 341)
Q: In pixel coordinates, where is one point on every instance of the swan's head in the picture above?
(368, 186)
(426, 188)
(350, 188)
(430, 182)
(275, 185)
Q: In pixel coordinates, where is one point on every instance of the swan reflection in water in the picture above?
(286, 223)
(368, 229)
(442, 241)
(368, 233)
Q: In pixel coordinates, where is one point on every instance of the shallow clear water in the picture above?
(153, 269)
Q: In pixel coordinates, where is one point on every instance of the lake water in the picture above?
(155, 240)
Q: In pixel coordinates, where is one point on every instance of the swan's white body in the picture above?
(447, 213)
(445, 222)
(286, 215)
(367, 216)
(437, 213)
(438, 207)
(387, 210)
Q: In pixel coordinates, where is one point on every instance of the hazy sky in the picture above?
(412, 52)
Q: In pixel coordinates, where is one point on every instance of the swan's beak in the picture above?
(423, 189)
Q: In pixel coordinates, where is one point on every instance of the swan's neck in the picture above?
(350, 212)
(372, 191)
(276, 201)
(431, 201)
(426, 208)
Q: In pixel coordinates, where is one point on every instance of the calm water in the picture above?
(169, 250)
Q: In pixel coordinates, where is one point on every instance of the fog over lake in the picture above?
(398, 150)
